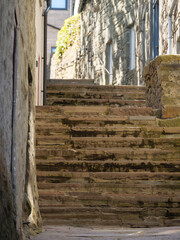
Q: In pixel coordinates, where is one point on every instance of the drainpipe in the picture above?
(45, 14)
(170, 26)
(92, 8)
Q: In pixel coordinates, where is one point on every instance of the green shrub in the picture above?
(68, 35)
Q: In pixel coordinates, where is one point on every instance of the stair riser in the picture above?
(58, 111)
(109, 167)
(77, 202)
(114, 89)
(143, 187)
(112, 142)
(103, 132)
(59, 122)
(95, 95)
(79, 178)
(142, 223)
(139, 186)
(65, 154)
(95, 102)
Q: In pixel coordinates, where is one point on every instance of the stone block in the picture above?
(162, 77)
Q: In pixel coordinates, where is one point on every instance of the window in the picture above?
(53, 49)
(155, 45)
(59, 4)
(132, 49)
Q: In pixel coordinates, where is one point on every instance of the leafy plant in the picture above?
(68, 35)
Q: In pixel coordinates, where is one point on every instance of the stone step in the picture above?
(95, 142)
(86, 177)
(87, 102)
(91, 111)
(106, 200)
(123, 131)
(127, 222)
(96, 121)
(170, 187)
(108, 166)
(93, 94)
(71, 82)
(56, 85)
(103, 154)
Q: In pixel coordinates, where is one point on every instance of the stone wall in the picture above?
(107, 22)
(162, 77)
(65, 68)
(164, 10)
(17, 98)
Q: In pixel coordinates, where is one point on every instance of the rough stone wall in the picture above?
(111, 22)
(17, 89)
(164, 10)
(105, 21)
(163, 86)
(65, 67)
(7, 216)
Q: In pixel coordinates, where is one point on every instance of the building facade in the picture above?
(120, 37)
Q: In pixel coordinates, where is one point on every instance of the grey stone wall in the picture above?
(106, 21)
(17, 99)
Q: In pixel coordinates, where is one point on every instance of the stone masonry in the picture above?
(105, 22)
(162, 86)
(17, 112)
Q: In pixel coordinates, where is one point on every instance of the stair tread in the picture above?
(109, 174)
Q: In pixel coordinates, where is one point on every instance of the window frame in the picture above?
(52, 8)
(155, 29)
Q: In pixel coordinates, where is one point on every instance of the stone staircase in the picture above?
(104, 159)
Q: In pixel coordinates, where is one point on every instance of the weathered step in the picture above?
(163, 187)
(96, 121)
(86, 177)
(162, 143)
(71, 82)
(121, 215)
(128, 222)
(92, 199)
(85, 142)
(56, 85)
(91, 110)
(122, 131)
(89, 94)
(107, 154)
(105, 102)
(108, 166)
